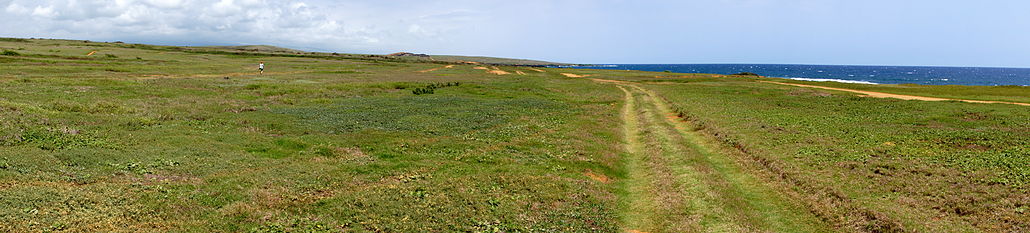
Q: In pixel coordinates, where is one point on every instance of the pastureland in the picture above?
(159, 138)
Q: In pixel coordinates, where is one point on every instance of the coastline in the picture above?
(857, 74)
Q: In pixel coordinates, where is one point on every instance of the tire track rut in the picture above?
(678, 182)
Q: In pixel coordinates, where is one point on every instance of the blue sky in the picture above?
(871, 32)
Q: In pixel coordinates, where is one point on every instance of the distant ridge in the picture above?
(474, 59)
(257, 48)
(281, 51)
(407, 54)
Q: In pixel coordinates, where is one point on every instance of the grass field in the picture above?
(158, 138)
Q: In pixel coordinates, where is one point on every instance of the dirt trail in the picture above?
(234, 74)
(537, 70)
(679, 182)
(896, 96)
(639, 200)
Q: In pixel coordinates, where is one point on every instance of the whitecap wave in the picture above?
(832, 80)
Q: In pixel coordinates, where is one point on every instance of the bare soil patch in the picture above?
(435, 69)
(574, 75)
(495, 70)
(896, 96)
(498, 72)
(597, 177)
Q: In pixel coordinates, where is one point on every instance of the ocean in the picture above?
(979, 76)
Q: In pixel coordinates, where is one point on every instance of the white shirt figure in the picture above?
(261, 67)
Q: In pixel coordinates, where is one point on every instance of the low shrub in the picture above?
(13, 40)
(746, 74)
(431, 88)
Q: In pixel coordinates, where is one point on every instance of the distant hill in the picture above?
(493, 60)
(280, 51)
(476, 59)
(406, 54)
(400, 55)
(257, 48)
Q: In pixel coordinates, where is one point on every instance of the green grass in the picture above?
(162, 138)
(165, 142)
(912, 159)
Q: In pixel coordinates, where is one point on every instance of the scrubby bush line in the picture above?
(431, 88)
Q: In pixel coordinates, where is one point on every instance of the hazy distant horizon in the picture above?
(572, 63)
(879, 32)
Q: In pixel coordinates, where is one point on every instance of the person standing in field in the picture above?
(261, 68)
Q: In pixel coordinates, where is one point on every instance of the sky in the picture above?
(993, 33)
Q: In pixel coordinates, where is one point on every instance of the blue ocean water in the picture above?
(979, 76)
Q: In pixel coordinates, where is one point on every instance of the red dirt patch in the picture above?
(597, 177)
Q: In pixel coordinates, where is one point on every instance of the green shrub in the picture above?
(440, 115)
(431, 88)
(11, 53)
(746, 74)
(13, 40)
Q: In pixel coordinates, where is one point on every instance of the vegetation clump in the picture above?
(747, 74)
(13, 40)
(431, 88)
(11, 53)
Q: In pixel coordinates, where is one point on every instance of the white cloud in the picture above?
(46, 12)
(167, 4)
(331, 25)
(14, 8)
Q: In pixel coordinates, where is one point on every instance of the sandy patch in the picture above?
(574, 75)
(896, 96)
(495, 70)
(498, 72)
(537, 70)
(435, 69)
(609, 81)
(520, 72)
(155, 76)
